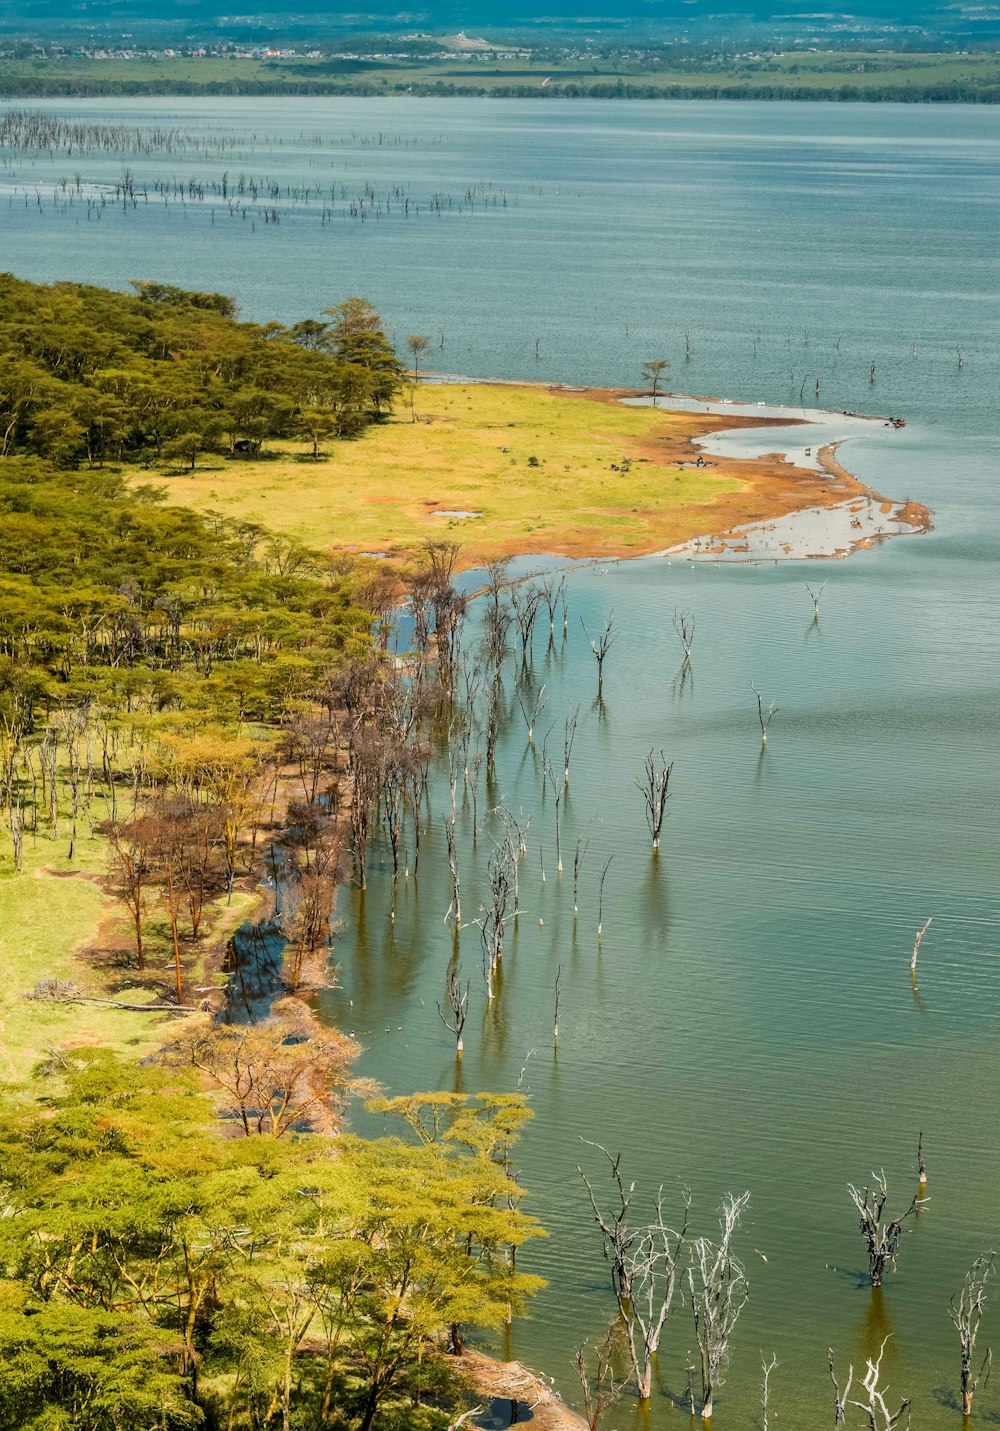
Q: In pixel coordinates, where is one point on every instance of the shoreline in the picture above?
(773, 487)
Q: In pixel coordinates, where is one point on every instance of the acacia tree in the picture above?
(131, 844)
(418, 345)
(653, 372)
(286, 1072)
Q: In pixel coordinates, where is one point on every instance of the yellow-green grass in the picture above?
(51, 915)
(470, 450)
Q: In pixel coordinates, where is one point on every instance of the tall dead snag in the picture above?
(600, 896)
(457, 999)
(451, 840)
(654, 786)
(718, 1289)
(764, 718)
(966, 1312)
(494, 916)
(881, 1237)
(916, 946)
(557, 793)
(569, 736)
(766, 1368)
(684, 626)
(601, 646)
(617, 1237)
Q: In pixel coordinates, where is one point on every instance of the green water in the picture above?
(747, 1020)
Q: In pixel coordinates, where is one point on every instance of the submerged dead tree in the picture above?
(654, 786)
(457, 999)
(645, 1265)
(966, 1313)
(718, 1289)
(601, 646)
(494, 916)
(684, 626)
(874, 1407)
(569, 736)
(881, 1236)
(764, 718)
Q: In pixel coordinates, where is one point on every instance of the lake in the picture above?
(747, 1019)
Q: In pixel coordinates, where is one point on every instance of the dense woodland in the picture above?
(88, 375)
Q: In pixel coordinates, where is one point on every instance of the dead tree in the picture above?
(815, 598)
(537, 706)
(840, 1402)
(718, 1288)
(494, 916)
(966, 1312)
(557, 990)
(600, 896)
(766, 1368)
(684, 626)
(921, 1166)
(457, 999)
(653, 1267)
(451, 842)
(569, 736)
(765, 719)
(557, 794)
(874, 1407)
(881, 1237)
(600, 1390)
(578, 858)
(525, 600)
(601, 646)
(654, 786)
(552, 591)
(617, 1238)
(916, 946)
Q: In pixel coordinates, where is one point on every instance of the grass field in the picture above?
(50, 916)
(847, 74)
(538, 466)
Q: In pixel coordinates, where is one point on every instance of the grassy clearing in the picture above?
(49, 915)
(471, 450)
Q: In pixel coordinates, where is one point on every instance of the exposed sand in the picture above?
(510, 1380)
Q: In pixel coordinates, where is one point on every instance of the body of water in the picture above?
(747, 1019)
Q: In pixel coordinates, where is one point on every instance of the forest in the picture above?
(89, 375)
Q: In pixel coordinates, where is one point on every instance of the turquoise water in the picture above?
(747, 1020)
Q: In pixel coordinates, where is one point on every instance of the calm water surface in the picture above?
(747, 1020)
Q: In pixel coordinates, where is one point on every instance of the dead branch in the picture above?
(881, 1237)
(966, 1309)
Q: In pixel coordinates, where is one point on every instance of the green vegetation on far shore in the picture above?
(848, 75)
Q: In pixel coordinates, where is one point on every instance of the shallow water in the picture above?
(748, 1018)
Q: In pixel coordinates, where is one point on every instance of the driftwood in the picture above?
(60, 991)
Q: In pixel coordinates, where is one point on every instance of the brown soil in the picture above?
(510, 1380)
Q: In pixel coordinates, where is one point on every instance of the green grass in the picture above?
(471, 450)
